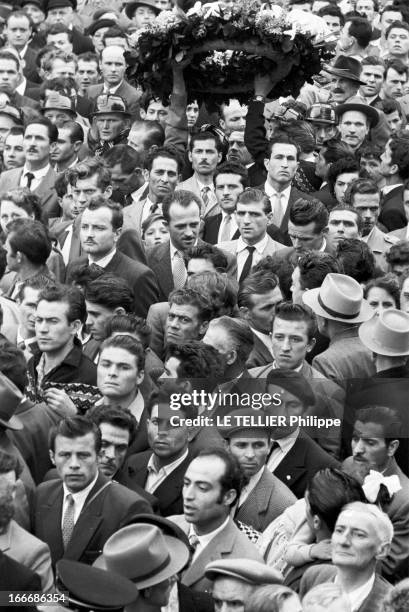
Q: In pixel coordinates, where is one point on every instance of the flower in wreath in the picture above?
(269, 21)
(307, 23)
(166, 20)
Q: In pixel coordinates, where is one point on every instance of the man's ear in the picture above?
(203, 328)
(393, 447)
(229, 497)
(108, 191)
(77, 145)
(52, 456)
(140, 377)
(244, 313)
(189, 154)
(311, 345)
(76, 326)
(266, 163)
(383, 550)
(142, 113)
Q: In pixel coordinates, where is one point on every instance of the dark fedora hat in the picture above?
(100, 23)
(52, 4)
(10, 399)
(355, 104)
(110, 104)
(131, 7)
(347, 68)
(322, 113)
(93, 588)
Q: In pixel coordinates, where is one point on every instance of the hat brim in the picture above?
(310, 298)
(99, 24)
(13, 423)
(365, 109)
(178, 553)
(118, 112)
(324, 121)
(342, 73)
(366, 334)
(131, 6)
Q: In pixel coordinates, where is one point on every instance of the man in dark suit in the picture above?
(75, 517)
(395, 168)
(160, 471)
(294, 456)
(101, 247)
(113, 68)
(63, 11)
(182, 212)
(18, 33)
(356, 557)
(37, 173)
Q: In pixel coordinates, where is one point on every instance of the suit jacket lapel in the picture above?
(50, 515)
(164, 268)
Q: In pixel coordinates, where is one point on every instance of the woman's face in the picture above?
(380, 299)
(156, 233)
(9, 212)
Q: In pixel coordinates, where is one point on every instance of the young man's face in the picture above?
(118, 375)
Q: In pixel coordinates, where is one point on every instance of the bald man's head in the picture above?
(113, 65)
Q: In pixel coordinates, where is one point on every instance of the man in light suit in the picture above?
(113, 68)
(204, 154)
(37, 173)
(16, 542)
(253, 214)
(356, 558)
(206, 519)
(77, 515)
(167, 260)
(264, 497)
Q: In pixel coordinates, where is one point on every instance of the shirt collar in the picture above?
(104, 261)
(202, 186)
(80, 496)
(208, 537)
(21, 87)
(270, 191)
(288, 441)
(388, 188)
(358, 596)
(38, 174)
(166, 469)
(259, 246)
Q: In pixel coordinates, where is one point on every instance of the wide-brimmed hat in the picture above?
(132, 6)
(356, 104)
(143, 554)
(340, 298)
(252, 572)
(387, 334)
(56, 101)
(347, 68)
(322, 113)
(100, 23)
(165, 525)
(10, 399)
(110, 104)
(11, 111)
(94, 588)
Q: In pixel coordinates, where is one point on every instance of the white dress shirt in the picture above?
(233, 226)
(66, 247)
(104, 261)
(275, 196)
(242, 253)
(358, 596)
(146, 210)
(21, 87)
(284, 446)
(137, 406)
(38, 176)
(206, 538)
(157, 476)
(79, 499)
(111, 90)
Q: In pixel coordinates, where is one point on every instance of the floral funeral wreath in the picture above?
(226, 46)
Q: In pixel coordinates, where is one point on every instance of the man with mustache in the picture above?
(40, 136)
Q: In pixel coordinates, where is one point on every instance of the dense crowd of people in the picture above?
(204, 321)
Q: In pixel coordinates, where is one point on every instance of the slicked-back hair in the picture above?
(233, 477)
(196, 360)
(75, 427)
(239, 333)
(111, 292)
(361, 186)
(201, 136)
(115, 416)
(397, 65)
(358, 261)
(87, 168)
(314, 267)
(183, 197)
(210, 253)
(31, 238)
(153, 133)
(287, 311)
(361, 29)
(190, 297)
(52, 129)
(399, 146)
(233, 168)
(165, 151)
(372, 60)
(38, 282)
(221, 291)
(303, 212)
(256, 283)
(72, 296)
(282, 138)
(127, 343)
(329, 491)
(352, 209)
(335, 149)
(384, 416)
(9, 56)
(388, 283)
(396, 25)
(252, 195)
(125, 156)
(131, 325)
(398, 254)
(342, 166)
(100, 201)
(75, 130)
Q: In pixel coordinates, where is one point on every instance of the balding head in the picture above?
(113, 65)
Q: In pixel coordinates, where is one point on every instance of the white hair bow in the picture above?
(373, 482)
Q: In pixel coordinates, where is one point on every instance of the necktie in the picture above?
(154, 208)
(193, 542)
(278, 212)
(225, 235)
(68, 521)
(205, 197)
(247, 264)
(30, 177)
(179, 271)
